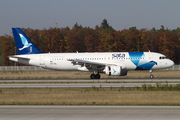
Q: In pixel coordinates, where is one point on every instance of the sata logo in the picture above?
(118, 55)
(114, 70)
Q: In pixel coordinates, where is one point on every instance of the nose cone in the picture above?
(170, 63)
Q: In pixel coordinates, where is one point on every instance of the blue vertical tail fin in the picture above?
(23, 43)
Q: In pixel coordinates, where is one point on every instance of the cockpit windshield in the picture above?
(163, 57)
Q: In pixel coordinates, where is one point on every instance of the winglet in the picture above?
(23, 43)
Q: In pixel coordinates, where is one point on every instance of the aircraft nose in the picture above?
(171, 63)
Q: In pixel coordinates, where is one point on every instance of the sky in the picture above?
(120, 14)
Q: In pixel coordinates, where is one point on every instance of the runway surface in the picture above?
(86, 85)
(90, 112)
(98, 80)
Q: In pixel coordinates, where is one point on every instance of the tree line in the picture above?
(103, 38)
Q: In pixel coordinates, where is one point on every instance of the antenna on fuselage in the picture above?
(149, 51)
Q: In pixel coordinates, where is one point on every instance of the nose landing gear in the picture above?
(151, 75)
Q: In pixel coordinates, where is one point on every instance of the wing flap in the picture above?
(90, 62)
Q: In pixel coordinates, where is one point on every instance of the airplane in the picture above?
(110, 63)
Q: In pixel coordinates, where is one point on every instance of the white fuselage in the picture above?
(61, 61)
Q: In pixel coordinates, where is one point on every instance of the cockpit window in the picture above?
(163, 57)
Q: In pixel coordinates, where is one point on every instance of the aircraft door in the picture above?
(150, 57)
(42, 60)
(160, 62)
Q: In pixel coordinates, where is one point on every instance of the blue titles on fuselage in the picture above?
(118, 55)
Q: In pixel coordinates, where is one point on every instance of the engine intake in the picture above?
(115, 71)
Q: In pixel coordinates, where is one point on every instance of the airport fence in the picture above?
(21, 68)
(175, 67)
(33, 68)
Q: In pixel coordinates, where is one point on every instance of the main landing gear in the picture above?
(151, 75)
(95, 76)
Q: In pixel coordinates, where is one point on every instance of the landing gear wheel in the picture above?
(151, 76)
(93, 76)
(97, 76)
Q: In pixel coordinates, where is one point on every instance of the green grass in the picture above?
(160, 87)
(158, 95)
(82, 75)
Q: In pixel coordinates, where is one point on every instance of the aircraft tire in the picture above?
(97, 76)
(151, 76)
(93, 76)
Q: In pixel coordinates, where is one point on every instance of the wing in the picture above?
(89, 65)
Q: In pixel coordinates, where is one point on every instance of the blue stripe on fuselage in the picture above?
(135, 57)
(139, 59)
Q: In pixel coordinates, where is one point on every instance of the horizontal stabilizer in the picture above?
(22, 57)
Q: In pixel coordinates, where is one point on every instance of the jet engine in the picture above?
(115, 71)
